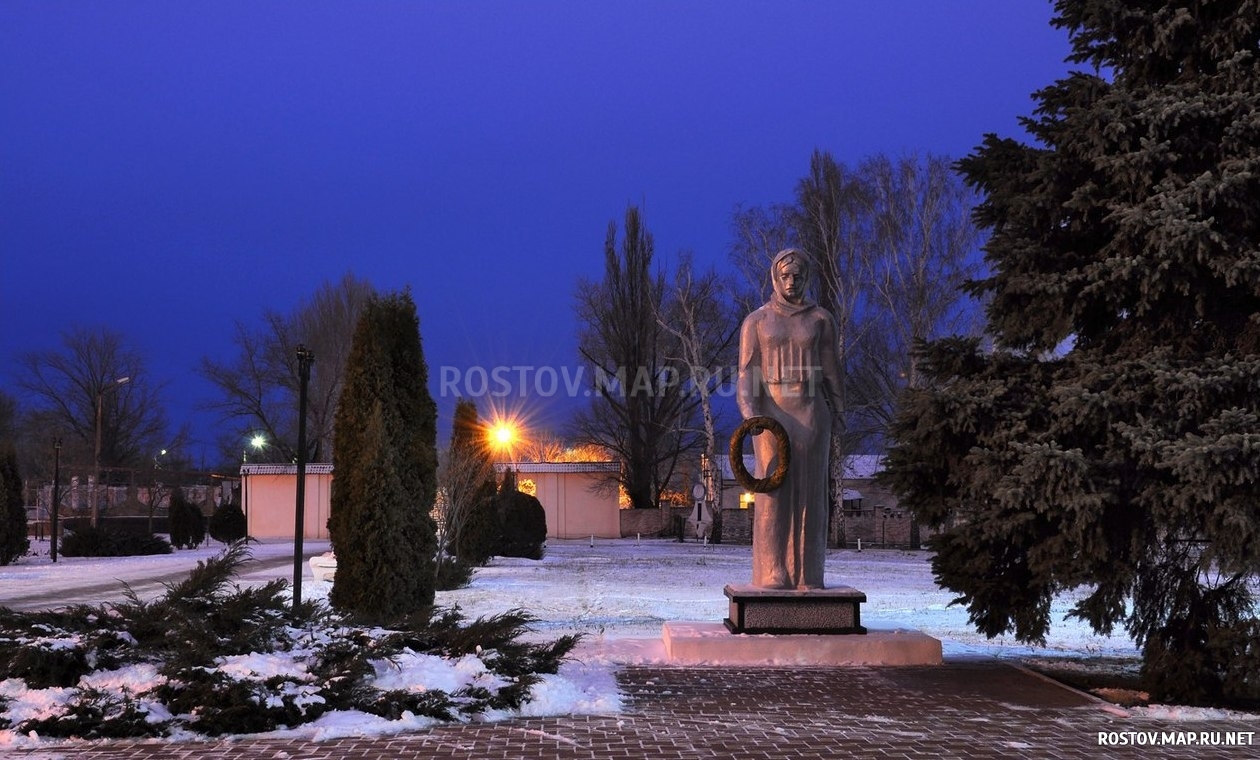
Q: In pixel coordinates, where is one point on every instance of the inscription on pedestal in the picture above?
(823, 611)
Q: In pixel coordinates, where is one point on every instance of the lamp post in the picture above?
(305, 358)
(96, 462)
(258, 441)
(56, 496)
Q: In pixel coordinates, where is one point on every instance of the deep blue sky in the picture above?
(169, 167)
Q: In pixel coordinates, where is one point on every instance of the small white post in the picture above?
(637, 538)
(859, 544)
(592, 540)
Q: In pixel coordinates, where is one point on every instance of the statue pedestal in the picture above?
(780, 627)
(791, 611)
(711, 644)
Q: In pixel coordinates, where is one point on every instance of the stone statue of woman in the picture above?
(788, 371)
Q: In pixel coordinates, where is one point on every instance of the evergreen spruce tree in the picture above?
(187, 523)
(522, 521)
(14, 541)
(228, 523)
(1110, 440)
(385, 461)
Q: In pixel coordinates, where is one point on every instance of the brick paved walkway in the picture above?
(964, 709)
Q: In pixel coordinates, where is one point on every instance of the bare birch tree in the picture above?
(923, 246)
(701, 318)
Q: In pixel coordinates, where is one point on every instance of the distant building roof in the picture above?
(560, 466)
(285, 469)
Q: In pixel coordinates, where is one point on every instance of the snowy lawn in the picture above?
(616, 593)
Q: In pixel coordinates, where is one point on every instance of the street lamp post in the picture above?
(56, 496)
(305, 358)
(96, 462)
(258, 441)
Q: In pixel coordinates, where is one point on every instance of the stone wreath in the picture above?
(756, 425)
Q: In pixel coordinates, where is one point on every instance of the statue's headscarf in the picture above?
(781, 304)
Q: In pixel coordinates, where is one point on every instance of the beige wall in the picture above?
(269, 502)
(574, 508)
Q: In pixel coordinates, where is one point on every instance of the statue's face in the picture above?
(789, 280)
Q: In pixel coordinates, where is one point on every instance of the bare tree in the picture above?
(832, 228)
(699, 315)
(542, 447)
(759, 233)
(259, 387)
(466, 484)
(8, 418)
(639, 404)
(94, 392)
(922, 252)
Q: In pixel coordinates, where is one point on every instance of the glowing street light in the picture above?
(258, 442)
(503, 434)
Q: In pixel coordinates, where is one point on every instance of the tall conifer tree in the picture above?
(14, 541)
(1110, 441)
(385, 466)
(470, 488)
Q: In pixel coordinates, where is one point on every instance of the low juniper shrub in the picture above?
(85, 541)
(183, 637)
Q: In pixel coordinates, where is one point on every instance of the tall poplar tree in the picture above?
(640, 408)
(1110, 440)
(385, 464)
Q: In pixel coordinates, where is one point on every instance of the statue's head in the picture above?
(790, 274)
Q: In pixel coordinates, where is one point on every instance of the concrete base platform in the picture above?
(712, 644)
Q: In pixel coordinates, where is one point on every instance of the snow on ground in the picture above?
(608, 590)
(613, 590)
(617, 593)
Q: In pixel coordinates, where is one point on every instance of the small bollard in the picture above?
(859, 544)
